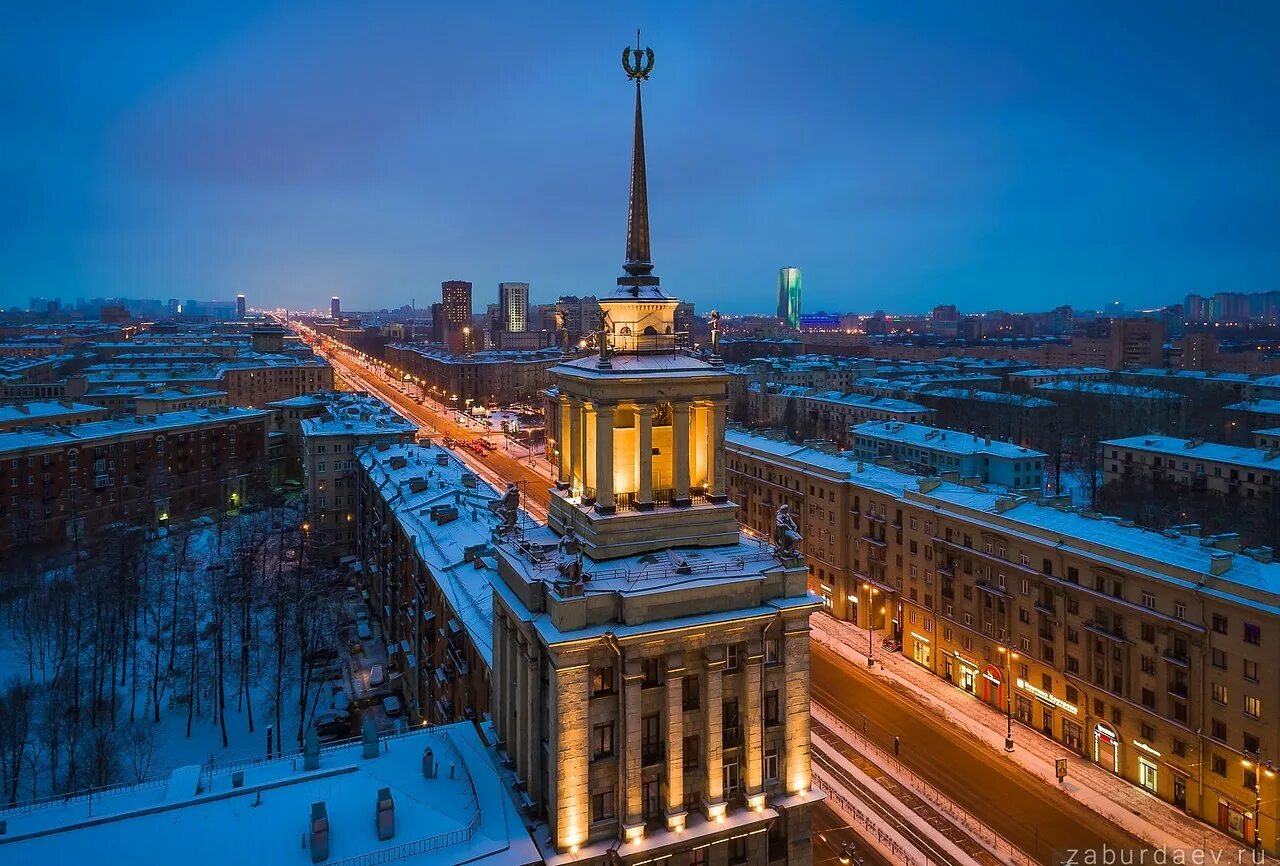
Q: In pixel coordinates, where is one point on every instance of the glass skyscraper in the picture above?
(789, 296)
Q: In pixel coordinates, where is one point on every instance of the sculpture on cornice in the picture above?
(508, 509)
(786, 536)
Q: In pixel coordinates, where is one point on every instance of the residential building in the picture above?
(490, 378)
(1143, 651)
(36, 413)
(335, 309)
(513, 307)
(935, 451)
(344, 423)
(1230, 470)
(63, 484)
(425, 532)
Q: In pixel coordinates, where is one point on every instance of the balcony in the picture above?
(1106, 630)
(651, 753)
(1178, 656)
(1178, 689)
(732, 737)
(1047, 608)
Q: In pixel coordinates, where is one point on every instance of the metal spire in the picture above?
(638, 63)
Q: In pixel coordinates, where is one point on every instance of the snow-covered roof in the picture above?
(869, 401)
(351, 413)
(411, 480)
(1119, 389)
(462, 814)
(941, 440)
(90, 431)
(1260, 407)
(651, 365)
(1206, 375)
(1257, 458)
(1061, 371)
(992, 397)
(1091, 535)
(48, 411)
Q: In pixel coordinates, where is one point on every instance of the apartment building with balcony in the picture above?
(339, 424)
(1230, 470)
(1146, 652)
(62, 484)
(425, 554)
(934, 450)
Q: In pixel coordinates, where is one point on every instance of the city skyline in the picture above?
(926, 156)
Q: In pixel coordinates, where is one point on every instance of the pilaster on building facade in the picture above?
(651, 679)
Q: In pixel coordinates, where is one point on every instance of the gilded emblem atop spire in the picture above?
(638, 63)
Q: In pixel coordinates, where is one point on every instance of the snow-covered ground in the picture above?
(152, 653)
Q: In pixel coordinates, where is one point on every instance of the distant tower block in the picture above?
(335, 309)
(513, 306)
(240, 306)
(789, 284)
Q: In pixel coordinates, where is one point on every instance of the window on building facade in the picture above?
(602, 680)
(602, 740)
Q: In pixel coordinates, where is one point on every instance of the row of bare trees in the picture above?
(138, 632)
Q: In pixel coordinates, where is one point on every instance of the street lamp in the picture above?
(871, 590)
(1259, 767)
(1009, 656)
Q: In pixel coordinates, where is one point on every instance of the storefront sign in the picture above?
(1048, 698)
(919, 637)
(993, 680)
(1144, 747)
(963, 660)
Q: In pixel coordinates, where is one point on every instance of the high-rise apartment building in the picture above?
(513, 307)
(335, 308)
(456, 297)
(789, 285)
(240, 306)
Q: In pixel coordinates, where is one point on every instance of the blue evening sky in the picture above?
(994, 155)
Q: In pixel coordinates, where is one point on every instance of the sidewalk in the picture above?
(1144, 815)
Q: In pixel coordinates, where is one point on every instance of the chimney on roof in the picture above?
(369, 739)
(311, 750)
(428, 763)
(385, 815)
(318, 833)
(1219, 563)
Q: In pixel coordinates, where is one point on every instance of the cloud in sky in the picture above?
(992, 156)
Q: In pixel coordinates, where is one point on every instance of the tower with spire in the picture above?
(638, 623)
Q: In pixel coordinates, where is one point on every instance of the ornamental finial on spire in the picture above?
(637, 62)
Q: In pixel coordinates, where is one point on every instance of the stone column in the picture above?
(588, 456)
(644, 416)
(713, 730)
(632, 760)
(674, 700)
(680, 447)
(569, 802)
(604, 458)
(716, 447)
(573, 446)
(795, 659)
(564, 464)
(753, 744)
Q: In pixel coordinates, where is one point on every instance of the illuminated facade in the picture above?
(513, 307)
(789, 285)
(651, 666)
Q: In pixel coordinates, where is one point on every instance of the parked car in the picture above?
(334, 723)
(362, 614)
(377, 676)
(363, 631)
(339, 700)
(391, 705)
